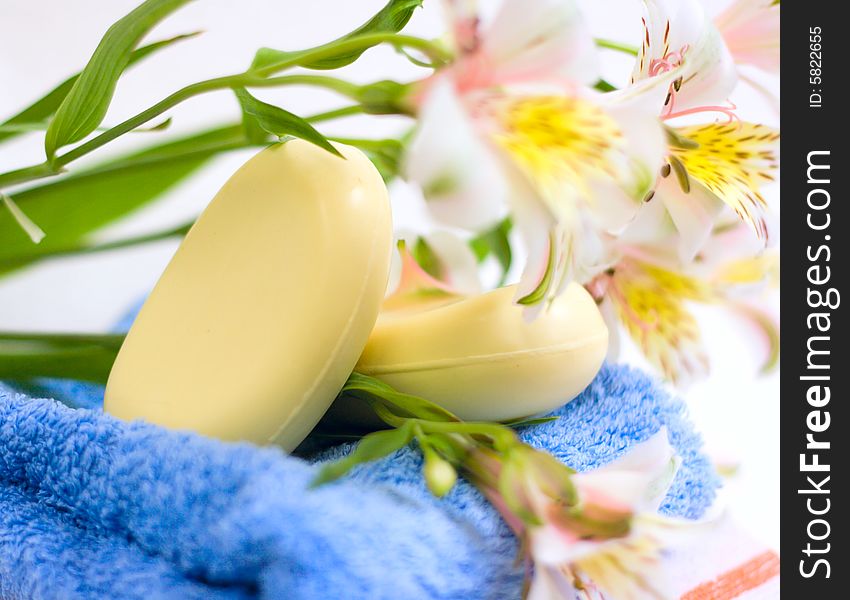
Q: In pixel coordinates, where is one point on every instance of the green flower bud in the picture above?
(440, 475)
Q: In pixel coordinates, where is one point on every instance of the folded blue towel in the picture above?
(91, 507)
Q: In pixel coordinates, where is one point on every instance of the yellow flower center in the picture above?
(559, 143)
(732, 160)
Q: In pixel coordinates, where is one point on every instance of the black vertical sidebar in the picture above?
(815, 363)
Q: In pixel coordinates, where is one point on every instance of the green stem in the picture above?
(258, 78)
(254, 78)
(32, 173)
(157, 109)
(346, 88)
(219, 83)
(618, 46)
(345, 111)
(363, 143)
(502, 436)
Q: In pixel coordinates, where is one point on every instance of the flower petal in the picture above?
(653, 463)
(459, 175)
(767, 326)
(415, 286)
(693, 214)
(458, 265)
(678, 38)
(540, 234)
(751, 31)
(551, 583)
(540, 40)
(732, 161)
(629, 568)
(650, 302)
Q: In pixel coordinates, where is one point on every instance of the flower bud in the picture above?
(440, 475)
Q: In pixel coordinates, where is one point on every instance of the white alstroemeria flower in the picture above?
(560, 164)
(679, 39)
(619, 499)
(648, 293)
(710, 168)
(502, 130)
(709, 165)
(751, 31)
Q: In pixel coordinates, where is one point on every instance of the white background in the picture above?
(42, 42)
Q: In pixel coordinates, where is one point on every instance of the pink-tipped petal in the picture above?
(751, 31)
(462, 181)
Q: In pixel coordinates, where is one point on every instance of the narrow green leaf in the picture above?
(415, 406)
(527, 422)
(86, 103)
(44, 108)
(384, 154)
(84, 357)
(372, 447)
(390, 19)
(281, 122)
(71, 208)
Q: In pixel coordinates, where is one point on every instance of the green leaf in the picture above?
(281, 122)
(384, 154)
(71, 208)
(44, 108)
(390, 19)
(426, 258)
(85, 357)
(415, 406)
(372, 447)
(529, 421)
(495, 242)
(83, 109)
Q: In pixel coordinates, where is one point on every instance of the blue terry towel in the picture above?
(91, 507)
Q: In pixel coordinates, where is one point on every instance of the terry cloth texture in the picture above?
(92, 507)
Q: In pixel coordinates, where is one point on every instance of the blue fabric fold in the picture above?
(92, 507)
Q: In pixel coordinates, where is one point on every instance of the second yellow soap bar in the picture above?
(481, 359)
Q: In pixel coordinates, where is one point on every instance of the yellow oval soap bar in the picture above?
(481, 359)
(262, 313)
